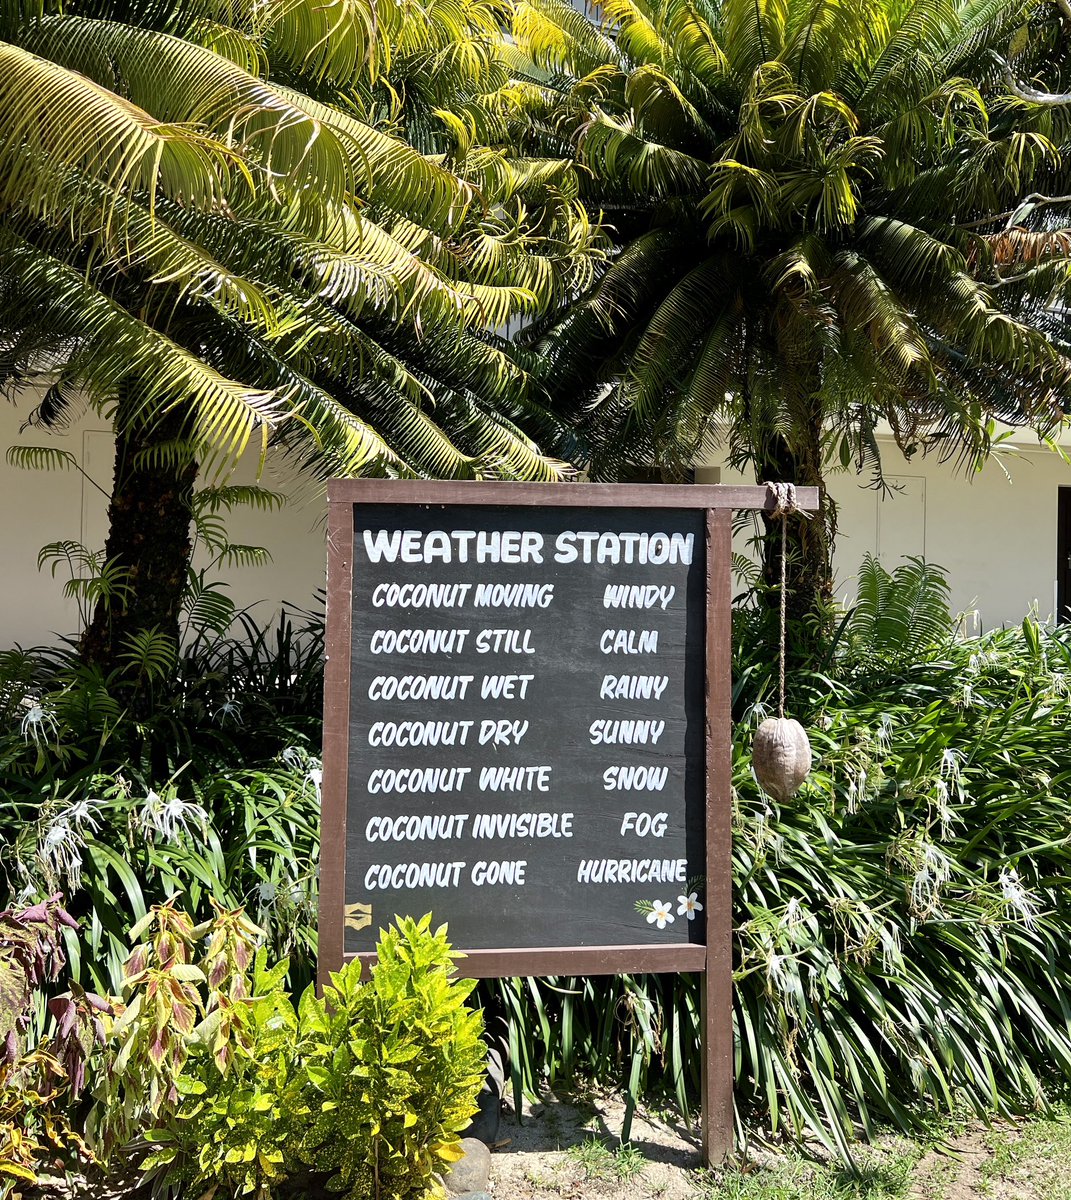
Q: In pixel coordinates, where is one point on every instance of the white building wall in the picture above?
(995, 534)
(40, 507)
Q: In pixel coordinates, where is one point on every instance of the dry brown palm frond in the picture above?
(1017, 246)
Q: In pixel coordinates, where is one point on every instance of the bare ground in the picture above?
(566, 1149)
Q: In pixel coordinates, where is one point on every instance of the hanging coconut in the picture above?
(781, 756)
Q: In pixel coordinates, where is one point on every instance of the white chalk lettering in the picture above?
(420, 595)
(418, 641)
(419, 733)
(498, 872)
(625, 733)
(415, 827)
(629, 641)
(513, 595)
(634, 779)
(396, 876)
(384, 780)
(633, 687)
(632, 870)
(515, 779)
(509, 546)
(504, 641)
(645, 824)
(419, 687)
(637, 595)
(502, 733)
(522, 825)
(505, 687)
(657, 549)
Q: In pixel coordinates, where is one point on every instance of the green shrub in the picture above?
(395, 1064)
(219, 1085)
(212, 794)
(38, 1083)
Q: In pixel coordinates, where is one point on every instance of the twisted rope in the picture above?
(784, 498)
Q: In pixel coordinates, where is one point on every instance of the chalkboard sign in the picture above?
(527, 724)
(526, 731)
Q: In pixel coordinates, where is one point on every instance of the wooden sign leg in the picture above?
(717, 1097)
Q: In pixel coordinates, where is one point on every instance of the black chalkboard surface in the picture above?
(526, 744)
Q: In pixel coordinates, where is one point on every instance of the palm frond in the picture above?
(60, 122)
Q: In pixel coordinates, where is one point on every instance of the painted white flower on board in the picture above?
(659, 914)
(689, 905)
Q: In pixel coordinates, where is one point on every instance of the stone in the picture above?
(471, 1173)
(475, 1196)
(484, 1126)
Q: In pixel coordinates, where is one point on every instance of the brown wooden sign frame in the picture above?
(714, 959)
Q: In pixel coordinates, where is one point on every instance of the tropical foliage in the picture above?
(225, 1085)
(212, 232)
(900, 926)
(40, 1079)
(206, 1075)
(213, 794)
(827, 215)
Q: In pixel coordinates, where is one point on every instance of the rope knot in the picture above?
(784, 499)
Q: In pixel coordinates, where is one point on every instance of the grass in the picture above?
(882, 1176)
(1027, 1160)
(1035, 1159)
(600, 1161)
(576, 1155)
(1030, 1160)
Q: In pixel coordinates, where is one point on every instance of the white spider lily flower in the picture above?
(168, 818)
(293, 758)
(1019, 903)
(59, 853)
(946, 818)
(949, 768)
(315, 776)
(883, 737)
(229, 710)
(688, 906)
(659, 914)
(38, 725)
(793, 916)
(934, 870)
(778, 973)
(83, 814)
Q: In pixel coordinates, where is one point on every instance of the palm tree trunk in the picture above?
(808, 539)
(149, 539)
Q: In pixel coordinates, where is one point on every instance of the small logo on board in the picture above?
(358, 916)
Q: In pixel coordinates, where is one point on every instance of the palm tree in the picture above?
(213, 231)
(827, 213)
